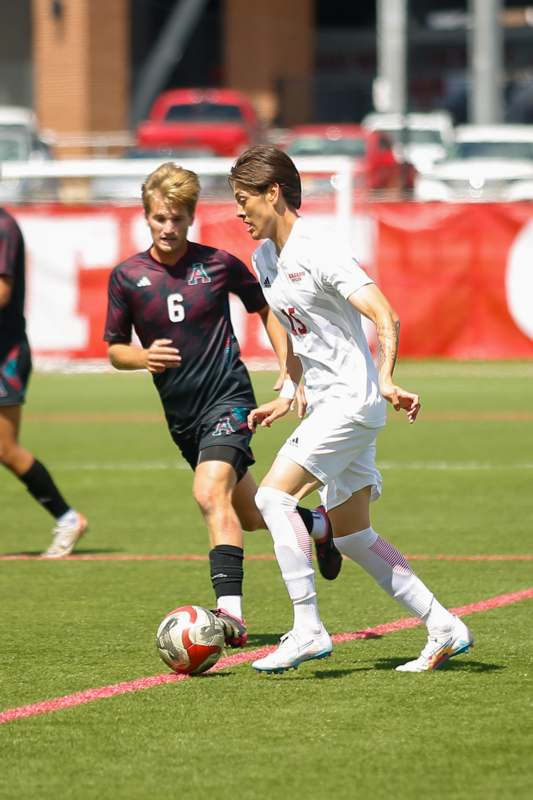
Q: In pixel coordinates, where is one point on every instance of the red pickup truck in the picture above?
(221, 120)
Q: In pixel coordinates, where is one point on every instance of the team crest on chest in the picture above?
(198, 275)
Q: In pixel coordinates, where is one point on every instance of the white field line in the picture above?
(436, 466)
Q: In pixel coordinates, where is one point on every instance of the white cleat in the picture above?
(293, 649)
(441, 645)
(66, 538)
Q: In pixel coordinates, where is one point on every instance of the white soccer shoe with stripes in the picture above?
(66, 538)
(294, 648)
(441, 645)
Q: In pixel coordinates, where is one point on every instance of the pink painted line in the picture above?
(126, 557)
(89, 695)
(256, 557)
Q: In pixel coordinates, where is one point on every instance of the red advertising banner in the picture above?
(460, 276)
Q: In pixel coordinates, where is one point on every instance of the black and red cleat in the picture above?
(328, 557)
(235, 633)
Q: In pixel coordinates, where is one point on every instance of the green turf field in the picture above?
(459, 482)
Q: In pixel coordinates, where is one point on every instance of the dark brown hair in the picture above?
(261, 166)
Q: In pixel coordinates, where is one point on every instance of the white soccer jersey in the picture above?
(307, 287)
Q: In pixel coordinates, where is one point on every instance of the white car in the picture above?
(423, 138)
(20, 140)
(487, 162)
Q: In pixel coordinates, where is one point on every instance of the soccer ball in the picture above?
(190, 639)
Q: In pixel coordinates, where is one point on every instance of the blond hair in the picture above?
(177, 186)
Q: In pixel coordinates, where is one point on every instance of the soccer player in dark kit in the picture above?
(175, 296)
(15, 369)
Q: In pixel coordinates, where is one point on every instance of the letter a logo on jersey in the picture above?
(224, 427)
(198, 275)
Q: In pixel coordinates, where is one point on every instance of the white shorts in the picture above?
(339, 452)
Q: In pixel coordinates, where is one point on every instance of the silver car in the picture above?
(486, 162)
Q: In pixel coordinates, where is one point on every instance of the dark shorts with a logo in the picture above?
(221, 435)
(15, 371)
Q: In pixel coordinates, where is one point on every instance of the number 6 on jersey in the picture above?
(176, 312)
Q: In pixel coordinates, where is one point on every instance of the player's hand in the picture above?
(161, 356)
(268, 413)
(401, 399)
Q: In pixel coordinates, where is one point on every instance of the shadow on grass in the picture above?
(262, 639)
(457, 665)
(306, 672)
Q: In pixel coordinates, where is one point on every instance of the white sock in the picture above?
(292, 547)
(390, 569)
(232, 603)
(437, 617)
(67, 519)
(320, 527)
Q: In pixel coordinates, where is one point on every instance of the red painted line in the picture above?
(125, 557)
(89, 695)
(98, 416)
(256, 557)
(484, 557)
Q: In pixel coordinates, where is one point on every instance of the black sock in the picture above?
(307, 517)
(41, 486)
(227, 572)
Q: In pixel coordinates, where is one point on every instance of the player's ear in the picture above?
(273, 193)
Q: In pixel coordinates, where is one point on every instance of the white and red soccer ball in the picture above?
(190, 639)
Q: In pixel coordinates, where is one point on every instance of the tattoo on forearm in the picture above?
(388, 333)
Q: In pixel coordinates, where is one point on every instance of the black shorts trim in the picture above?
(237, 458)
(224, 430)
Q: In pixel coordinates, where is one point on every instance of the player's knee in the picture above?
(209, 497)
(268, 499)
(262, 500)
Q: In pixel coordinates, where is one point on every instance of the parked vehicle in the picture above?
(420, 138)
(223, 120)
(487, 162)
(20, 140)
(375, 165)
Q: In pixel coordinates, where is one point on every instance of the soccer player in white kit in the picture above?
(319, 293)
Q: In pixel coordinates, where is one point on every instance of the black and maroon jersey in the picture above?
(187, 303)
(12, 322)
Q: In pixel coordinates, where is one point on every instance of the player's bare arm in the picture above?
(5, 290)
(371, 302)
(291, 394)
(161, 355)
